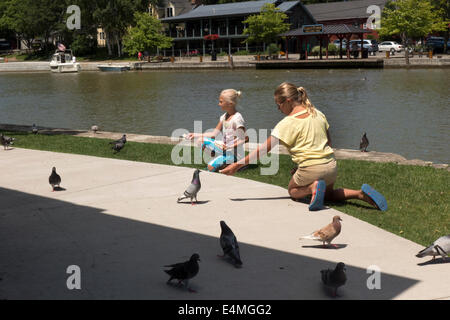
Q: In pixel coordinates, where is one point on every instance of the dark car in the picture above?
(4, 45)
(435, 43)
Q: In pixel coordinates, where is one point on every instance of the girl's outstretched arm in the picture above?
(254, 155)
(212, 134)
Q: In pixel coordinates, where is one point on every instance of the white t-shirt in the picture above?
(231, 133)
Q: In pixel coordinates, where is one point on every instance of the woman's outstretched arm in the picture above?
(254, 155)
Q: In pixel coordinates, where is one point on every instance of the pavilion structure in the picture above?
(323, 33)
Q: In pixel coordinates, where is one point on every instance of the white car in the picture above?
(390, 46)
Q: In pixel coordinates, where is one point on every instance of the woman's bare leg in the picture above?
(342, 194)
(297, 192)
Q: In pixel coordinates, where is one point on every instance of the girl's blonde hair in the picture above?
(231, 96)
(287, 90)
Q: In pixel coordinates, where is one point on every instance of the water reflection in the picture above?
(402, 111)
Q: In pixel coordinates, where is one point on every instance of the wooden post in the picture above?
(348, 46)
(301, 46)
(320, 47)
(328, 40)
(306, 49)
(287, 48)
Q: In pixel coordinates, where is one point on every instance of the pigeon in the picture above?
(94, 128)
(327, 233)
(229, 245)
(118, 146)
(334, 278)
(123, 140)
(440, 247)
(184, 271)
(54, 179)
(193, 188)
(364, 143)
(6, 141)
(34, 129)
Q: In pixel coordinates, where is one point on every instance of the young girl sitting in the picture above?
(232, 126)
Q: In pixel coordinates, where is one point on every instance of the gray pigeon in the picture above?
(334, 278)
(193, 188)
(54, 179)
(364, 143)
(34, 129)
(118, 146)
(121, 140)
(6, 141)
(184, 271)
(440, 247)
(229, 245)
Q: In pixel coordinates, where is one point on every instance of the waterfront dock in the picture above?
(249, 62)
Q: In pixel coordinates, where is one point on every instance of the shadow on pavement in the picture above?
(436, 261)
(121, 258)
(267, 198)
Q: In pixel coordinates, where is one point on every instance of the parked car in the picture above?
(435, 43)
(337, 43)
(367, 44)
(4, 45)
(390, 46)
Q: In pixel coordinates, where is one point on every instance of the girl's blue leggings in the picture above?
(223, 158)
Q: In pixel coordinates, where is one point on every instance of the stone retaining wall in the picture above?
(339, 153)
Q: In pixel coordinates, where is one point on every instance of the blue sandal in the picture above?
(317, 204)
(376, 197)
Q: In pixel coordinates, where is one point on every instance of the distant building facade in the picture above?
(355, 13)
(225, 20)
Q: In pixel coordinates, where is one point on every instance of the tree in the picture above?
(146, 35)
(443, 6)
(410, 18)
(30, 19)
(265, 26)
(115, 17)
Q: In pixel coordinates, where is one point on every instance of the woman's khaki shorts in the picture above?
(306, 175)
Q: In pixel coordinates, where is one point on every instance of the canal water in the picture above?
(403, 111)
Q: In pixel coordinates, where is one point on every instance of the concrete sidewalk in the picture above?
(120, 223)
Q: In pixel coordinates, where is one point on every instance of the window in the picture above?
(169, 12)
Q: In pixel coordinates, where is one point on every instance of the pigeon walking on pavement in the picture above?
(327, 233)
(184, 271)
(193, 188)
(34, 129)
(6, 141)
(54, 179)
(229, 245)
(364, 143)
(440, 247)
(334, 278)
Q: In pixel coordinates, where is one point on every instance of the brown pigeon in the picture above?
(327, 233)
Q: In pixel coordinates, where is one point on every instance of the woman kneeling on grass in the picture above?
(304, 131)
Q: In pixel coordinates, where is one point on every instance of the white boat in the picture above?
(62, 61)
(113, 67)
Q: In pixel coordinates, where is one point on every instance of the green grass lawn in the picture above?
(418, 197)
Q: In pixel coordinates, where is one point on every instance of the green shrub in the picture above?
(272, 49)
(332, 49)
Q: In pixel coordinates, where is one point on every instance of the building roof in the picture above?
(343, 10)
(328, 29)
(229, 9)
